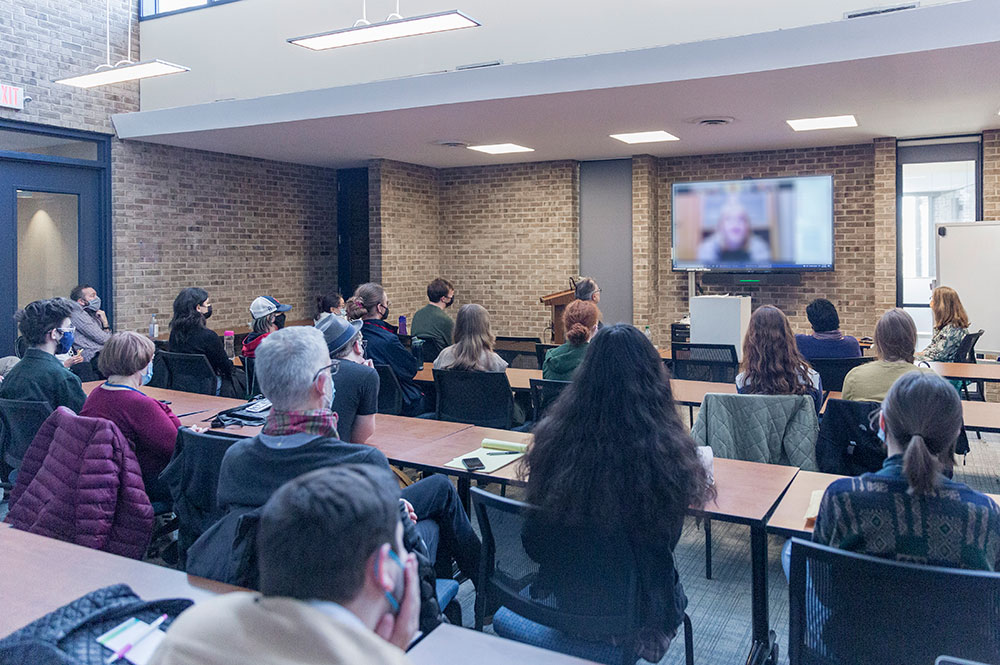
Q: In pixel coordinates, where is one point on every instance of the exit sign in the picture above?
(11, 97)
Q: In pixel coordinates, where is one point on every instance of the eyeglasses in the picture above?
(71, 329)
(333, 367)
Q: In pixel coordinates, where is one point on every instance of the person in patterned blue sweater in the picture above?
(909, 510)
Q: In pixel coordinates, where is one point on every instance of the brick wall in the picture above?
(180, 217)
(852, 286)
(991, 175)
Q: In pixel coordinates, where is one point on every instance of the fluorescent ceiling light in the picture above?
(377, 32)
(645, 137)
(120, 74)
(500, 148)
(830, 122)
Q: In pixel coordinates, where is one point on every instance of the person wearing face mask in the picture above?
(371, 304)
(268, 315)
(329, 304)
(149, 425)
(356, 382)
(189, 334)
(90, 321)
(39, 376)
(431, 324)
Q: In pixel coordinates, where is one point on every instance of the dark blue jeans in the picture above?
(450, 536)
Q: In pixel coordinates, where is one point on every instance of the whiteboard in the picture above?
(968, 260)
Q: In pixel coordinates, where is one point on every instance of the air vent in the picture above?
(878, 11)
(452, 143)
(714, 121)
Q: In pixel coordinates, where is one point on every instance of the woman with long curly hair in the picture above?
(612, 457)
(772, 364)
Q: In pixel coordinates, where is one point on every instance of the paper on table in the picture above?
(497, 444)
(813, 510)
(129, 631)
(490, 462)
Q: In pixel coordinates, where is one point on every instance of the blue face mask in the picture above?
(147, 375)
(395, 597)
(65, 343)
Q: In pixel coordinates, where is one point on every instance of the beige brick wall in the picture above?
(232, 225)
(991, 175)
(647, 228)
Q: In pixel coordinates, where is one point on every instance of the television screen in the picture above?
(770, 224)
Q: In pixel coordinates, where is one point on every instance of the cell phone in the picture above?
(473, 463)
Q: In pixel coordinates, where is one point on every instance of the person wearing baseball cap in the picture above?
(356, 398)
(268, 315)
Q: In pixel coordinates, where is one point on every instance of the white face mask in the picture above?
(333, 393)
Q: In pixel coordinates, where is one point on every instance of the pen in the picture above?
(128, 647)
(507, 452)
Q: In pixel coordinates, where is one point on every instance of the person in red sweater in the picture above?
(268, 315)
(148, 424)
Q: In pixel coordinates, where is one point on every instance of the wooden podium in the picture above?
(558, 302)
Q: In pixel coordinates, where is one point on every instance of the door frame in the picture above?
(102, 244)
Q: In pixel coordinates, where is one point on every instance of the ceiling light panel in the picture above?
(122, 73)
(377, 32)
(828, 122)
(645, 137)
(500, 148)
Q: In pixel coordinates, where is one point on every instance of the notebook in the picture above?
(127, 632)
(492, 462)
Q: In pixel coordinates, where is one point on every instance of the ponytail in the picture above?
(364, 301)
(920, 467)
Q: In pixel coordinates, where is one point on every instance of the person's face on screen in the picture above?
(734, 228)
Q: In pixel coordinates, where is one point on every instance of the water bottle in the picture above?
(229, 342)
(648, 334)
(402, 325)
(154, 328)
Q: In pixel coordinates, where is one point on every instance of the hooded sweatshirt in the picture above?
(562, 361)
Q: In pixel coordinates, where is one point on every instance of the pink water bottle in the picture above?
(402, 325)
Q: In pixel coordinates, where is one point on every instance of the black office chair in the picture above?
(518, 352)
(189, 372)
(477, 398)
(430, 349)
(248, 366)
(967, 354)
(161, 375)
(833, 370)
(20, 421)
(193, 479)
(390, 393)
(551, 597)
(848, 608)
(541, 350)
(704, 362)
(543, 394)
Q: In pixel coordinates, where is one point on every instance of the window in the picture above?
(938, 181)
(154, 8)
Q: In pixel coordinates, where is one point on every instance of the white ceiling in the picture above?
(942, 91)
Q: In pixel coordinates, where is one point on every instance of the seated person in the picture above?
(899, 512)
(895, 339)
(371, 304)
(733, 240)
(772, 364)
(190, 334)
(294, 371)
(39, 376)
(613, 452)
(337, 586)
(951, 325)
(149, 424)
(473, 347)
(430, 323)
(826, 341)
(331, 303)
(356, 381)
(268, 315)
(580, 320)
(90, 321)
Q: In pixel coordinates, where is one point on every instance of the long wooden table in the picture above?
(985, 371)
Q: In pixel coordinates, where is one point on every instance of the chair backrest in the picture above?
(390, 393)
(543, 394)
(189, 372)
(193, 478)
(161, 374)
(555, 585)
(856, 609)
(20, 421)
(833, 370)
(848, 444)
(248, 367)
(967, 349)
(541, 350)
(704, 362)
(477, 398)
(518, 352)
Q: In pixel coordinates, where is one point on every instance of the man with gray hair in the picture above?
(295, 372)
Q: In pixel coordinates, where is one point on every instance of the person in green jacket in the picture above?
(580, 321)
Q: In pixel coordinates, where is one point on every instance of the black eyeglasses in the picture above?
(333, 367)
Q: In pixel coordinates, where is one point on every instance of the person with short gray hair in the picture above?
(289, 367)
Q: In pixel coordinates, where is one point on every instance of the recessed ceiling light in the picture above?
(500, 148)
(645, 137)
(829, 122)
(392, 29)
(122, 73)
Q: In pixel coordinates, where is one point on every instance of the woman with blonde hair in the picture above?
(580, 321)
(951, 325)
(473, 347)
